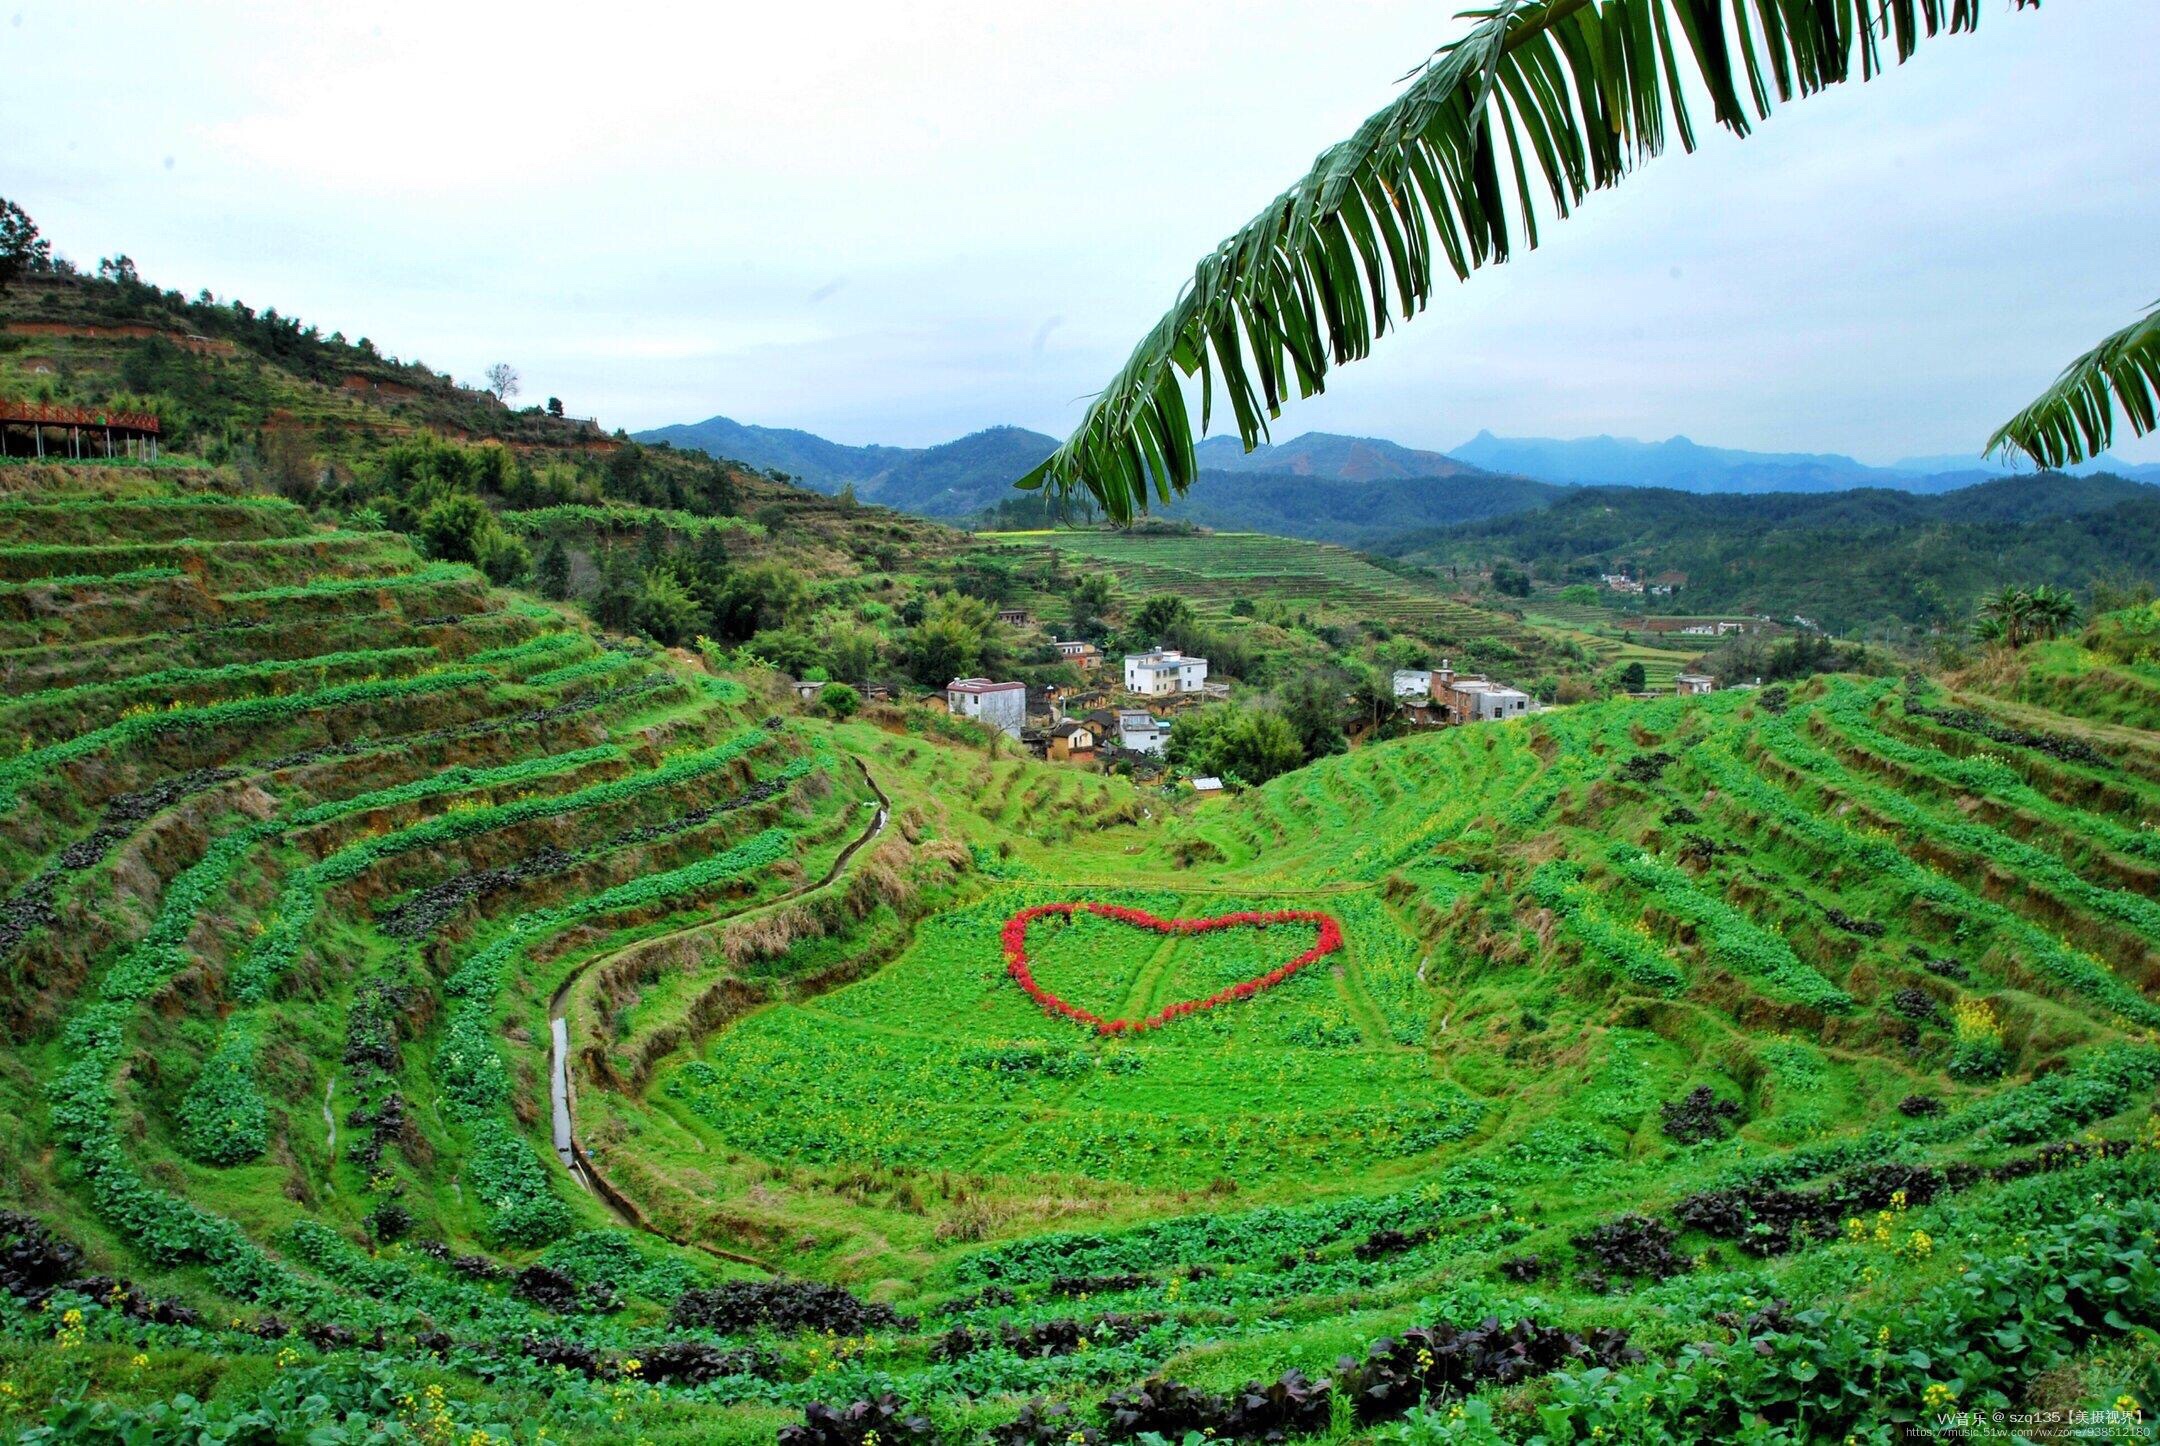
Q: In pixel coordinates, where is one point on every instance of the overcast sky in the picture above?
(903, 222)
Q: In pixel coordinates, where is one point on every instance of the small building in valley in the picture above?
(1073, 741)
(1083, 655)
(1141, 731)
(1013, 617)
(1001, 705)
(1413, 683)
(1160, 672)
(1688, 684)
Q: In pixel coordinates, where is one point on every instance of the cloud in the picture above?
(982, 207)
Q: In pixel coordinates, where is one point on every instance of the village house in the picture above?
(1163, 671)
(1665, 584)
(1083, 655)
(1207, 785)
(1072, 742)
(1620, 582)
(1013, 617)
(1688, 684)
(1001, 705)
(1468, 700)
(1141, 731)
(1413, 683)
(1700, 627)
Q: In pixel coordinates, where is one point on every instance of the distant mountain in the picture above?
(1325, 454)
(1332, 509)
(1689, 466)
(953, 479)
(810, 459)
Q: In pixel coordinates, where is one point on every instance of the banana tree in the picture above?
(2075, 418)
(1541, 97)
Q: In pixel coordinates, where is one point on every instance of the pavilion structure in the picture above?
(56, 433)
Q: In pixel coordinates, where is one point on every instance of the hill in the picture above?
(1680, 463)
(953, 479)
(1326, 488)
(1356, 512)
(1845, 559)
(417, 996)
(804, 456)
(1326, 454)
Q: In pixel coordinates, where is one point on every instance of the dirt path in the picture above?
(561, 1093)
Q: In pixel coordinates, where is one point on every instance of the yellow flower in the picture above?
(2128, 1404)
(1938, 1396)
(1882, 1336)
(139, 1360)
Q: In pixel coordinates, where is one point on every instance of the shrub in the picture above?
(882, 1422)
(1698, 1117)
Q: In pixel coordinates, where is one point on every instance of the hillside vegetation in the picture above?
(1778, 1064)
(1844, 559)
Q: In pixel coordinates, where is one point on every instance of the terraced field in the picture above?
(419, 1001)
(1328, 581)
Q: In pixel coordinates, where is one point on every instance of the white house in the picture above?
(1141, 731)
(1477, 701)
(1413, 683)
(1162, 671)
(1689, 683)
(1001, 705)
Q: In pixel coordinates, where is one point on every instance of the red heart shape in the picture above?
(1016, 960)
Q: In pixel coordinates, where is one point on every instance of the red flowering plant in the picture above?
(1329, 938)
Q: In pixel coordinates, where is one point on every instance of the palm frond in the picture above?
(1551, 97)
(2075, 418)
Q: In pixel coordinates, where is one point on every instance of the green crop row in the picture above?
(434, 572)
(223, 1119)
(1558, 886)
(572, 517)
(517, 1188)
(94, 579)
(1736, 941)
(239, 712)
(322, 664)
(1881, 859)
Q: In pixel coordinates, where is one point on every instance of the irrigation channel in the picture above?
(573, 1156)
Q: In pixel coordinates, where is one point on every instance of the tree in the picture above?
(1312, 706)
(2075, 418)
(1633, 679)
(1090, 602)
(1372, 694)
(838, 700)
(22, 249)
(452, 530)
(1510, 580)
(617, 595)
(663, 609)
(1158, 617)
(554, 406)
(503, 557)
(758, 598)
(502, 380)
(2015, 616)
(1580, 92)
(1251, 745)
(551, 575)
